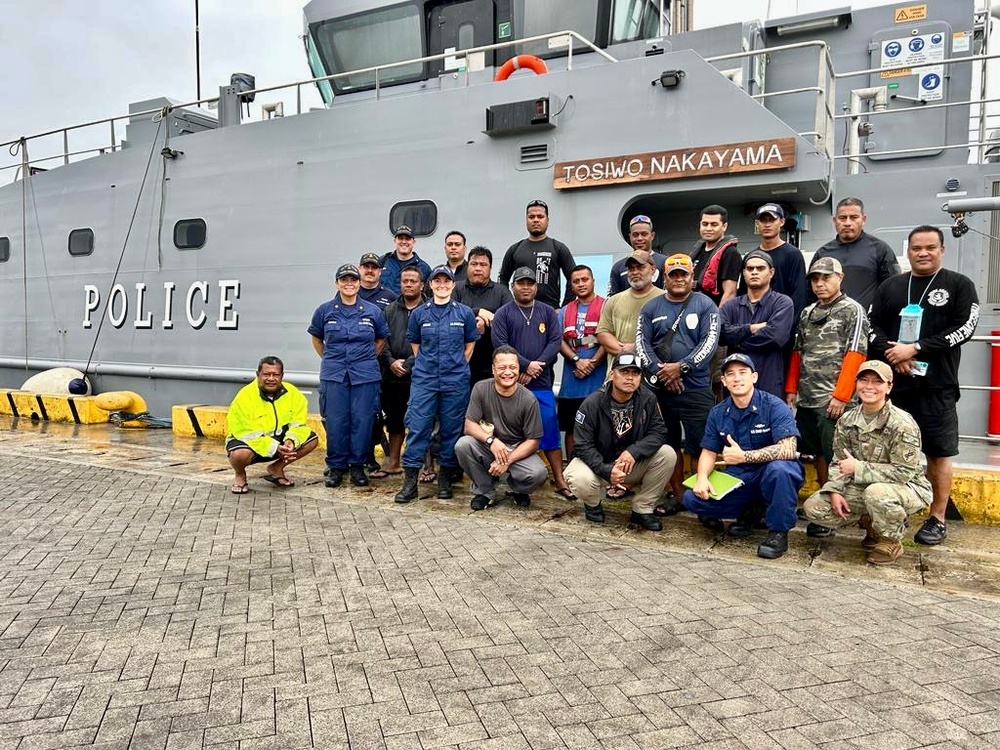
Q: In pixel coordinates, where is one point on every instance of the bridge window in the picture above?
(190, 234)
(368, 39)
(4, 249)
(635, 19)
(420, 216)
(81, 242)
(547, 16)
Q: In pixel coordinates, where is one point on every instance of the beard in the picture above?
(536, 232)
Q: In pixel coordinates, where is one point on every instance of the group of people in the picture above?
(746, 361)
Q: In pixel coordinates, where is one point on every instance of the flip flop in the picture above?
(279, 481)
(239, 489)
(378, 474)
(566, 492)
(392, 473)
(426, 477)
(615, 493)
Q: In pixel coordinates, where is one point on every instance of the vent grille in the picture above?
(993, 284)
(537, 153)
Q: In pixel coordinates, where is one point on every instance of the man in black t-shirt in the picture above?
(786, 259)
(543, 254)
(503, 427)
(920, 320)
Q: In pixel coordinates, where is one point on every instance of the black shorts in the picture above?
(233, 444)
(566, 409)
(395, 396)
(936, 414)
(815, 432)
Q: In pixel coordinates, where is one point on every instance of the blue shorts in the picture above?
(550, 422)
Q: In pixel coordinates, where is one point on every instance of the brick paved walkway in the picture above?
(140, 610)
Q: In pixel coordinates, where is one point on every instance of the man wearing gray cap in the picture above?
(760, 322)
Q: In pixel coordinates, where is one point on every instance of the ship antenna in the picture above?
(121, 257)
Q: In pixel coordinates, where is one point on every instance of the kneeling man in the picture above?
(876, 477)
(503, 426)
(619, 441)
(754, 432)
(267, 422)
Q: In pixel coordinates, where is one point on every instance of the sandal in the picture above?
(378, 474)
(239, 489)
(566, 492)
(617, 493)
(428, 475)
(279, 481)
(668, 506)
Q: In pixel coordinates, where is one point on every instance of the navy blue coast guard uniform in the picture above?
(440, 383)
(349, 376)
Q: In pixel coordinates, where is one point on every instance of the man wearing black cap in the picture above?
(754, 433)
(545, 256)
(620, 439)
(372, 289)
(402, 257)
(640, 237)
(789, 265)
(760, 322)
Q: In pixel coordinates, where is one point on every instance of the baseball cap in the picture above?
(348, 269)
(740, 359)
(759, 255)
(442, 271)
(640, 256)
(825, 265)
(627, 361)
(879, 368)
(771, 208)
(403, 231)
(524, 273)
(370, 258)
(537, 202)
(678, 261)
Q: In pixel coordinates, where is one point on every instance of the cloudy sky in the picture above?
(71, 61)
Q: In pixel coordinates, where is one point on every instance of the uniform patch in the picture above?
(691, 321)
(579, 417)
(938, 297)
(541, 328)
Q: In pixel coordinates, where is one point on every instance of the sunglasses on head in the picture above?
(640, 219)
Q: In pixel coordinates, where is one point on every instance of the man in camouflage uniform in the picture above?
(886, 484)
(831, 341)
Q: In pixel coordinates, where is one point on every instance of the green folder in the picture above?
(722, 482)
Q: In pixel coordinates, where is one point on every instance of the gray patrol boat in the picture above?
(192, 241)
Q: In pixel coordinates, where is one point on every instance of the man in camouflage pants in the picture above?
(886, 484)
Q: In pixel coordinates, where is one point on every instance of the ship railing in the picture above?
(992, 341)
(18, 146)
(978, 147)
(822, 134)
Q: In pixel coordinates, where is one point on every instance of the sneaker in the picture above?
(886, 552)
(871, 537)
(594, 514)
(775, 544)
(521, 499)
(931, 533)
(818, 532)
(479, 502)
(646, 521)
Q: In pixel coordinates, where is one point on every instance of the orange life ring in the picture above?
(530, 62)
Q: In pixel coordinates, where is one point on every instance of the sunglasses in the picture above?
(627, 360)
(640, 219)
(539, 203)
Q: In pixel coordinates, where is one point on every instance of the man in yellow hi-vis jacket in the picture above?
(267, 422)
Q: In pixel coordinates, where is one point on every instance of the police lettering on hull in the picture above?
(194, 305)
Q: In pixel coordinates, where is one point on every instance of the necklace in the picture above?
(527, 318)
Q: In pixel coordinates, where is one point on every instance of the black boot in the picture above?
(358, 476)
(594, 514)
(444, 483)
(408, 491)
(334, 477)
(646, 521)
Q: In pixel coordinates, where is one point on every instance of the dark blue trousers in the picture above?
(348, 413)
(426, 406)
(776, 484)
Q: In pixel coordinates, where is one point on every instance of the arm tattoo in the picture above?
(783, 450)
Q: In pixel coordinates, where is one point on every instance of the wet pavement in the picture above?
(144, 606)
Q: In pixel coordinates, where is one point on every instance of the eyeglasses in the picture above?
(640, 219)
(538, 202)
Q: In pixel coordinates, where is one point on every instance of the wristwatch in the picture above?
(489, 440)
(916, 345)
(576, 358)
(685, 368)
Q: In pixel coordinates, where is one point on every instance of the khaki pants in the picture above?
(889, 505)
(648, 478)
